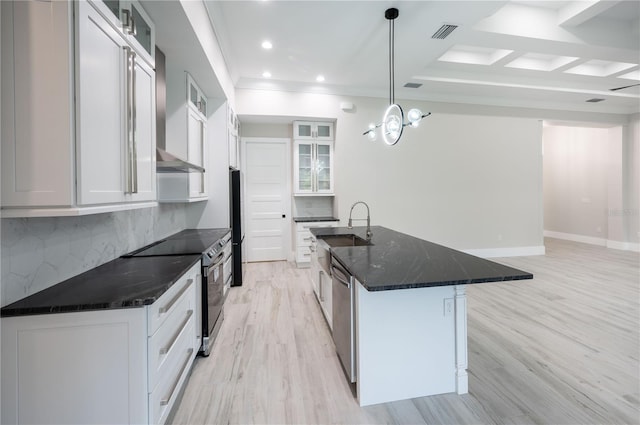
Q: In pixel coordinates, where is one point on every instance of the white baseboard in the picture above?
(623, 246)
(518, 251)
(576, 238)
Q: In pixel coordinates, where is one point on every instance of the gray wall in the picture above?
(592, 182)
(40, 252)
(575, 180)
(631, 154)
(463, 178)
(253, 129)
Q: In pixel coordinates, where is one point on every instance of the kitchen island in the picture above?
(409, 312)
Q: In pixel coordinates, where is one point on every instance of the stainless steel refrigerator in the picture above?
(236, 223)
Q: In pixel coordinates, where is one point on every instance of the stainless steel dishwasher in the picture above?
(343, 293)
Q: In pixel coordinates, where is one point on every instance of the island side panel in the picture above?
(462, 378)
(406, 343)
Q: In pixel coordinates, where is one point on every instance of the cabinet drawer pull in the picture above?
(174, 338)
(168, 306)
(307, 254)
(307, 239)
(165, 400)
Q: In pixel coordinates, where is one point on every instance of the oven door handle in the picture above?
(215, 263)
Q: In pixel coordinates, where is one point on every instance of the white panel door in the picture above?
(267, 200)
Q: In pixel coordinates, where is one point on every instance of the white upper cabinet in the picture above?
(310, 130)
(78, 130)
(186, 139)
(196, 99)
(313, 168)
(233, 132)
(196, 136)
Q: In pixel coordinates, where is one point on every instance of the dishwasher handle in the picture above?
(340, 276)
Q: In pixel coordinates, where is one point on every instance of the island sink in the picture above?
(336, 241)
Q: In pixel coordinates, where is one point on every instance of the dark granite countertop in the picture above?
(312, 219)
(399, 261)
(122, 283)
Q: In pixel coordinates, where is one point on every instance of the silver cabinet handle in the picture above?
(134, 142)
(320, 286)
(167, 307)
(174, 338)
(307, 239)
(202, 156)
(129, 118)
(127, 21)
(165, 400)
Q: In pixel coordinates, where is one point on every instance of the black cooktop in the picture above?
(190, 241)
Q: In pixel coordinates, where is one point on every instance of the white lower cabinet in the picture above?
(109, 366)
(303, 240)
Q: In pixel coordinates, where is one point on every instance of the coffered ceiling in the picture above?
(540, 54)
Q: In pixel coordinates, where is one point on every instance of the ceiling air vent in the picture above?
(444, 31)
(413, 85)
(595, 100)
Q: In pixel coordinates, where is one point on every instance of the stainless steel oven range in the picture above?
(215, 247)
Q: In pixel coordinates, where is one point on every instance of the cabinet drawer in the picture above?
(303, 239)
(171, 338)
(303, 254)
(310, 224)
(162, 398)
(160, 310)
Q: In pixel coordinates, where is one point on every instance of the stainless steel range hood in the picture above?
(165, 161)
(168, 163)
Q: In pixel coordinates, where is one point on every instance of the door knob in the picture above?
(284, 216)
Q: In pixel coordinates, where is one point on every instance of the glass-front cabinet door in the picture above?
(131, 20)
(196, 97)
(304, 167)
(324, 131)
(323, 167)
(313, 168)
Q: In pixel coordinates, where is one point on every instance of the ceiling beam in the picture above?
(578, 12)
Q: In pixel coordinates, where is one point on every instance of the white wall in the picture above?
(575, 180)
(631, 153)
(467, 181)
(591, 184)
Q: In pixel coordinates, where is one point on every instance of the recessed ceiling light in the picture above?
(266, 74)
(320, 78)
(267, 45)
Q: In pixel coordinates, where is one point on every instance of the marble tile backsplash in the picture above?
(40, 252)
(312, 206)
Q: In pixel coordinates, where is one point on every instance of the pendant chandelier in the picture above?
(393, 122)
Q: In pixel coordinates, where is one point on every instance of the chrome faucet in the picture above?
(350, 224)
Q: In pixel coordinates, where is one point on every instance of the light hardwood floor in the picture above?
(562, 348)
